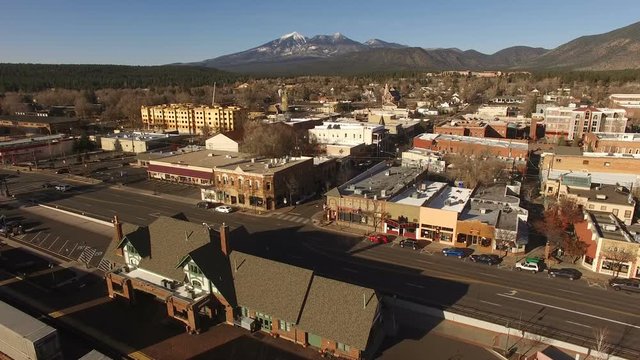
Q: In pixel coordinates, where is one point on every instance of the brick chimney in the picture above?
(117, 225)
(225, 244)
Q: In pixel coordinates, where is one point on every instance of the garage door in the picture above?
(314, 340)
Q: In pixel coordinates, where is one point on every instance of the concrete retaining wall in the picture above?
(81, 215)
(500, 329)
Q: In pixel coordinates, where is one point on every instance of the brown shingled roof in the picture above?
(339, 311)
(269, 286)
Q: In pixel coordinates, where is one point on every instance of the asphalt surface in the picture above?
(559, 308)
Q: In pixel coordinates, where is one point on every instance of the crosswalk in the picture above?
(292, 218)
(87, 255)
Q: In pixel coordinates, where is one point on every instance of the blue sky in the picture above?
(144, 32)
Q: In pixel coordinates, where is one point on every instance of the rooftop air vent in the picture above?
(601, 196)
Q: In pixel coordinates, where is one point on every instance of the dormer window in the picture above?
(194, 269)
(131, 250)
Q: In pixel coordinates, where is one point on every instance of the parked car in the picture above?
(409, 243)
(454, 252)
(569, 273)
(378, 238)
(12, 228)
(223, 209)
(632, 285)
(62, 171)
(48, 185)
(63, 187)
(204, 205)
(488, 259)
(528, 266)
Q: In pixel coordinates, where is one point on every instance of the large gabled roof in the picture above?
(339, 311)
(269, 286)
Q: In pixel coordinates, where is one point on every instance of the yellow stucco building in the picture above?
(190, 118)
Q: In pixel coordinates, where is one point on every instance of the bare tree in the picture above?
(601, 345)
(618, 256)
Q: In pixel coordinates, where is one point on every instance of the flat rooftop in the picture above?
(420, 194)
(609, 227)
(498, 193)
(381, 180)
(229, 160)
(506, 143)
(38, 119)
(451, 199)
(607, 178)
(632, 137)
(139, 136)
(32, 140)
(498, 215)
(608, 194)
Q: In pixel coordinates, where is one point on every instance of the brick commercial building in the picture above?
(28, 150)
(601, 168)
(617, 143)
(190, 118)
(241, 180)
(612, 248)
(201, 279)
(574, 122)
(40, 123)
(500, 129)
(467, 145)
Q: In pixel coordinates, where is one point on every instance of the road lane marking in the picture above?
(569, 291)
(414, 285)
(570, 311)
(424, 261)
(490, 303)
(490, 275)
(578, 324)
(54, 241)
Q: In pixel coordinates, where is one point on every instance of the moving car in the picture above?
(378, 238)
(409, 243)
(63, 187)
(528, 266)
(485, 259)
(632, 285)
(569, 273)
(204, 205)
(223, 209)
(453, 252)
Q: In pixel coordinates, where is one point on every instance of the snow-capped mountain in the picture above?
(377, 43)
(295, 46)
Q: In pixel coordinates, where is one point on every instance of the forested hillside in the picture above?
(35, 77)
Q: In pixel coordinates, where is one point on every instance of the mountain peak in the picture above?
(295, 36)
(338, 36)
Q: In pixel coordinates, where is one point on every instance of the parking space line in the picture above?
(45, 238)
(54, 241)
(63, 246)
(33, 239)
(490, 303)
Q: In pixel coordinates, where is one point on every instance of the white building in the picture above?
(425, 159)
(135, 142)
(626, 100)
(571, 122)
(347, 133)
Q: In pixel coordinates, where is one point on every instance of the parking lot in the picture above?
(62, 235)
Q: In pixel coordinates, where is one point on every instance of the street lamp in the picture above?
(53, 273)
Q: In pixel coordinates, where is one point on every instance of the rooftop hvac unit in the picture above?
(601, 196)
(351, 187)
(415, 195)
(383, 193)
(610, 227)
(387, 173)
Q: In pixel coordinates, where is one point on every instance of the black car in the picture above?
(485, 259)
(48, 185)
(204, 205)
(410, 243)
(571, 274)
(632, 285)
(62, 171)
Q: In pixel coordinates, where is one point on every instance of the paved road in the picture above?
(567, 310)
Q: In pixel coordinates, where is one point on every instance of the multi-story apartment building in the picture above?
(198, 274)
(347, 133)
(612, 249)
(570, 122)
(618, 143)
(190, 118)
